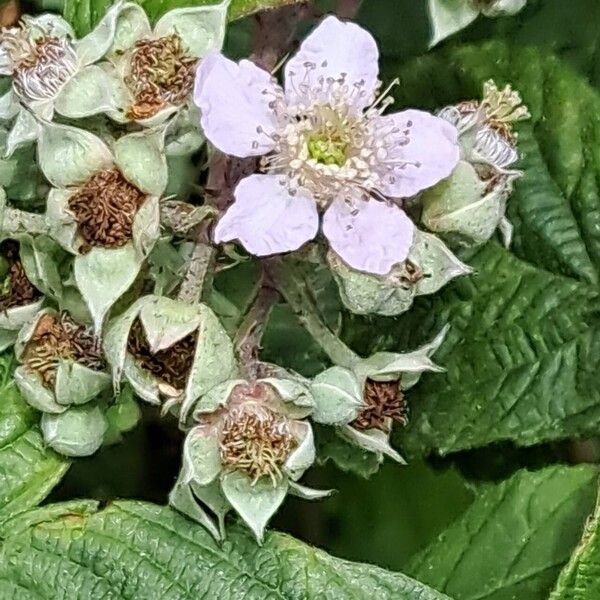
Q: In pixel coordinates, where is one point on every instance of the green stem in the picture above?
(248, 337)
(15, 221)
(290, 283)
(199, 265)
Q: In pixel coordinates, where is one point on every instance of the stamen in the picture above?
(60, 338)
(161, 73)
(257, 441)
(383, 401)
(104, 208)
(171, 365)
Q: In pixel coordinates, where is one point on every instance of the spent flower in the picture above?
(20, 299)
(168, 351)
(151, 70)
(365, 401)
(326, 146)
(104, 206)
(61, 362)
(62, 373)
(53, 71)
(471, 204)
(249, 445)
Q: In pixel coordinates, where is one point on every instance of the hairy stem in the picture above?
(290, 283)
(199, 265)
(347, 9)
(248, 337)
(16, 221)
(180, 216)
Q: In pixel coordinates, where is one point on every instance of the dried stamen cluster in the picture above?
(104, 208)
(411, 274)
(503, 108)
(41, 67)
(383, 400)
(499, 110)
(17, 290)
(171, 365)
(256, 440)
(56, 338)
(160, 73)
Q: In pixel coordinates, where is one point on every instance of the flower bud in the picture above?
(500, 8)
(448, 18)
(77, 432)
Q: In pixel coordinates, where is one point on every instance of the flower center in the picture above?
(383, 400)
(256, 440)
(160, 73)
(171, 365)
(327, 147)
(15, 287)
(41, 67)
(56, 338)
(104, 208)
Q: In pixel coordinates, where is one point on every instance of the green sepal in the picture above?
(255, 502)
(78, 431)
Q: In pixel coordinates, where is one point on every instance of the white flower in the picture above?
(326, 145)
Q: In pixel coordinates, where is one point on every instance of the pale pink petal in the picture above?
(367, 234)
(266, 219)
(421, 150)
(334, 50)
(234, 103)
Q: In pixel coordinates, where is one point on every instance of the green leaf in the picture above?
(553, 25)
(511, 542)
(85, 14)
(522, 355)
(139, 550)
(580, 579)
(28, 470)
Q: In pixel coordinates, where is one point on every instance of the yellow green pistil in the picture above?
(327, 148)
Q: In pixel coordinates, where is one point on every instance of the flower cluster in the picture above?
(114, 293)
(64, 271)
